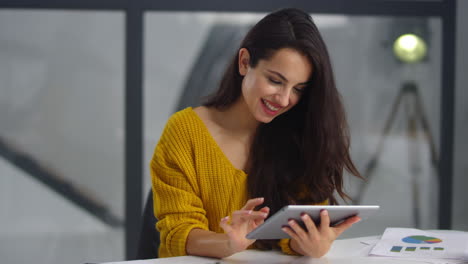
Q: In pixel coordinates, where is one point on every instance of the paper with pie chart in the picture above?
(415, 243)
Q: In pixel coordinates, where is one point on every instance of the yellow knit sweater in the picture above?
(194, 184)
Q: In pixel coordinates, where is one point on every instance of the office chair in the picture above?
(149, 241)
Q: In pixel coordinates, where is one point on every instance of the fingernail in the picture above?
(291, 222)
(324, 212)
(265, 214)
(304, 216)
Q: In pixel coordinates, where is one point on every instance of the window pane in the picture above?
(389, 102)
(61, 116)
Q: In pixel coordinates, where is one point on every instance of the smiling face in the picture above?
(274, 85)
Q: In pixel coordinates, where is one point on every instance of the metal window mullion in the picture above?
(133, 128)
(65, 5)
(447, 115)
(343, 7)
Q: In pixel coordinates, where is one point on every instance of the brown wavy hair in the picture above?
(300, 156)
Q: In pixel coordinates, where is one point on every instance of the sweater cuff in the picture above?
(285, 246)
(178, 241)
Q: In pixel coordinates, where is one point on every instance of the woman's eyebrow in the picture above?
(284, 78)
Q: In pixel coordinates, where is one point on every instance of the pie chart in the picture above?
(421, 240)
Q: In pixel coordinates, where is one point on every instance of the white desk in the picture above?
(346, 251)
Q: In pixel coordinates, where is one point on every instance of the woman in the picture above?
(273, 134)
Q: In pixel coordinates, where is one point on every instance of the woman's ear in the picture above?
(244, 61)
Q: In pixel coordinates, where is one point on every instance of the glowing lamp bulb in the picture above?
(410, 48)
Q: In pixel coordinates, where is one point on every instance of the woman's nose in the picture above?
(283, 97)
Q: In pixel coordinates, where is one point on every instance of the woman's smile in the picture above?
(269, 107)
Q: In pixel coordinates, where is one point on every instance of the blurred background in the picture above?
(62, 118)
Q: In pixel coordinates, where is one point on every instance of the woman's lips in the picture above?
(269, 107)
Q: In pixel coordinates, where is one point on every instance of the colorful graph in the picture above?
(397, 249)
(421, 240)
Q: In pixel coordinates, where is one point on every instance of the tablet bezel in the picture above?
(271, 229)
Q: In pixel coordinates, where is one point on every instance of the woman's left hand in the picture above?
(315, 241)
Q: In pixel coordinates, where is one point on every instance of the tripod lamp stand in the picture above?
(409, 49)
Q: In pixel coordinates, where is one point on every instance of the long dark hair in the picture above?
(300, 156)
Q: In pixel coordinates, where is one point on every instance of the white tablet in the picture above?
(271, 229)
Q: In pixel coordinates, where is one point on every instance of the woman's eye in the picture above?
(274, 81)
(299, 90)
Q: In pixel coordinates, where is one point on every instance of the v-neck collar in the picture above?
(213, 141)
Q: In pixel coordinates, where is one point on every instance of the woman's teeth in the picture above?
(269, 106)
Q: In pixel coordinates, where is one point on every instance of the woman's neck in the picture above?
(238, 120)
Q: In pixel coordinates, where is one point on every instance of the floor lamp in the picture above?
(408, 48)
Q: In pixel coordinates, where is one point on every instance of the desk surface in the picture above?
(345, 251)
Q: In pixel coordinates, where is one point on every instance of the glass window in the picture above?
(393, 108)
(61, 116)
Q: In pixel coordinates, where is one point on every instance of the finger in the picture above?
(252, 203)
(324, 219)
(246, 215)
(339, 229)
(290, 232)
(309, 224)
(224, 225)
(297, 229)
(237, 216)
(249, 213)
(266, 211)
(256, 223)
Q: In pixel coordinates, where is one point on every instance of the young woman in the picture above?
(274, 134)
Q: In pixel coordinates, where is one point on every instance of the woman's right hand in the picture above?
(243, 221)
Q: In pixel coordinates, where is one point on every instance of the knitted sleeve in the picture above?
(177, 205)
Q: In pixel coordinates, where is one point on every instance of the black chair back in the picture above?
(148, 245)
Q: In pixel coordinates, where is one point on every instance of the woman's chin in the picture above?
(264, 119)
